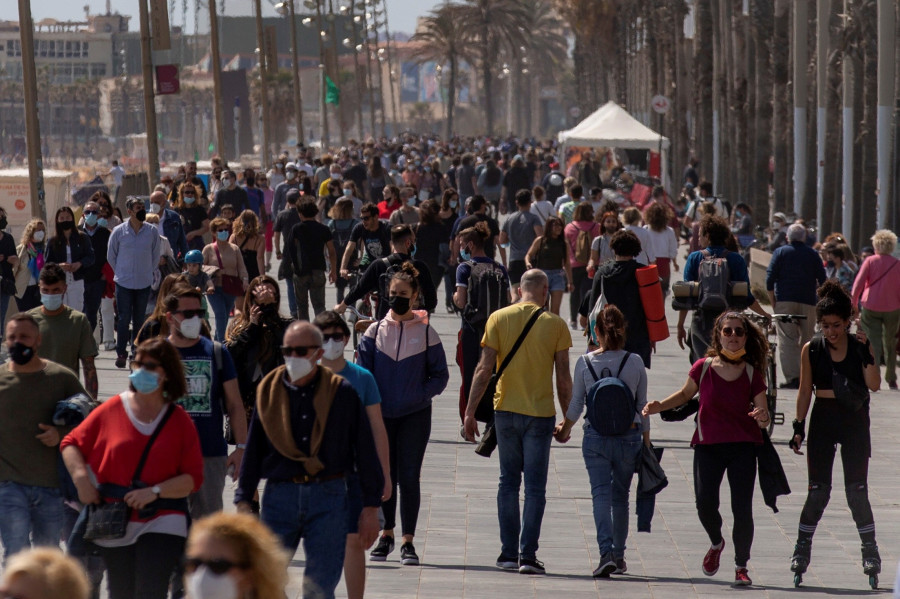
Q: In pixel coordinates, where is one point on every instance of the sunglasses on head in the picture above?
(736, 331)
(189, 313)
(216, 566)
(300, 351)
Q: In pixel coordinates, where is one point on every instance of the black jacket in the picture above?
(772, 480)
(621, 288)
(99, 243)
(82, 251)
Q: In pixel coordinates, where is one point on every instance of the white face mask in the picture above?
(190, 327)
(39, 236)
(203, 584)
(333, 349)
(297, 368)
(155, 208)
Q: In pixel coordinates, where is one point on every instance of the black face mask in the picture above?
(20, 353)
(268, 309)
(67, 225)
(141, 215)
(3, 222)
(400, 305)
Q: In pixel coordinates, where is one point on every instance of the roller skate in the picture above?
(871, 563)
(800, 559)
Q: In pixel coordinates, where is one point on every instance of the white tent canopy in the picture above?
(610, 126)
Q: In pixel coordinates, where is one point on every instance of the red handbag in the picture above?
(230, 284)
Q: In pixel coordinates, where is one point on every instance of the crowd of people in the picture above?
(223, 384)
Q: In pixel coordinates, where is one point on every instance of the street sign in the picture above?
(660, 104)
(167, 81)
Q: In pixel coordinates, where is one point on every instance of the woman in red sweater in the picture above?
(732, 412)
(110, 442)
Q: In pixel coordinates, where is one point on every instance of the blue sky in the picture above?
(402, 13)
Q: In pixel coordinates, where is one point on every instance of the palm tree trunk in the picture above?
(487, 79)
(703, 88)
(762, 147)
(451, 96)
(780, 73)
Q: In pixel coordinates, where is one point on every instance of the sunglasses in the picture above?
(216, 566)
(86, 212)
(737, 331)
(299, 350)
(189, 313)
(370, 217)
(333, 337)
(146, 365)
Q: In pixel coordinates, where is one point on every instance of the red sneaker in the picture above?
(711, 561)
(741, 578)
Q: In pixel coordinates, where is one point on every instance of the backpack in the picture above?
(583, 246)
(341, 235)
(713, 279)
(488, 291)
(611, 405)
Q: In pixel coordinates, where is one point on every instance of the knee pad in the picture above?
(817, 500)
(858, 502)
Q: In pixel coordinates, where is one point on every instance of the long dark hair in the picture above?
(242, 321)
(59, 240)
(833, 301)
(756, 346)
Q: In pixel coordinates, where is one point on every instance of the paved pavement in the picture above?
(458, 538)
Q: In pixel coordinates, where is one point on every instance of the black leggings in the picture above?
(142, 570)
(829, 426)
(710, 464)
(582, 285)
(407, 440)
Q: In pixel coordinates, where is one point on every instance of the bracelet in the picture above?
(241, 446)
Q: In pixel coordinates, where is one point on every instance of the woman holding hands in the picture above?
(732, 412)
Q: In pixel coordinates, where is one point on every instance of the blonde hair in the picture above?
(239, 229)
(153, 219)
(55, 573)
(255, 546)
(29, 230)
(884, 241)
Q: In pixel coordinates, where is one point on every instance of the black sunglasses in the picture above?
(737, 331)
(189, 313)
(299, 350)
(86, 212)
(216, 566)
(333, 337)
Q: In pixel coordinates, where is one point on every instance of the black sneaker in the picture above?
(408, 555)
(607, 566)
(382, 549)
(531, 566)
(505, 562)
(621, 566)
(121, 359)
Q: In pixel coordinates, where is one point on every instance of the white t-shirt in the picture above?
(647, 255)
(543, 210)
(118, 173)
(664, 243)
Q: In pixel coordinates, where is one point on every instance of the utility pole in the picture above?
(847, 141)
(295, 73)
(390, 63)
(823, 15)
(886, 43)
(358, 71)
(263, 85)
(801, 62)
(32, 124)
(216, 66)
(323, 112)
(149, 101)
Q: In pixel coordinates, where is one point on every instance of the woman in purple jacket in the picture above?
(405, 355)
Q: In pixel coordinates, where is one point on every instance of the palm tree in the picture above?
(496, 24)
(444, 39)
(543, 53)
(594, 24)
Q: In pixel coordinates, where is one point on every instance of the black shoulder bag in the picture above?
(849, 394)
(107, 521)
(485, 410)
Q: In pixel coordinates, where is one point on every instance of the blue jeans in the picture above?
(93, 293)
(29, 515)
(524, 446)
(222, 304)
(317, 512)
(292, 299)
(132, 308)
(611, 462)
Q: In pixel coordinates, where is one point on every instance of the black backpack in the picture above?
(611, 405)
(488, 291)
(341, 236)
(713, 278)
(384, 283)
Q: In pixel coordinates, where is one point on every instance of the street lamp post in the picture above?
(32, 124)
(149, 101)
(295, 69)
(216, 67)
(263, 84)
(353, 42)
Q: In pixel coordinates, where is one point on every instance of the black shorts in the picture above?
(354, 503)
(516, 269)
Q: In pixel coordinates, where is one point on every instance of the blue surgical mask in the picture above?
(466, 254)
(222, 235)
(454, 203)
(189, 200)
(427, 169)
(348, 193)
(144, 381)
(90, 219)
(102, 222)
(412, 251)
(411, 201)
(52, 302)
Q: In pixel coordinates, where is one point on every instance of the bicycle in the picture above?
(771, 374)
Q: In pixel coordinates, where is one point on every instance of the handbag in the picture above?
(485, 410)
(108, 521)
(230, 284)
(651, 478)
(598, 307)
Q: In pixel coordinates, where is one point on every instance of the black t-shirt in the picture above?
(377, 244)
(7, 249)
(193, 217)
(357, 174)
(308, 239)
(236, 197)
(474, 219)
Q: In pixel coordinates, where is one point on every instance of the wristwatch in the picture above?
(157, 490)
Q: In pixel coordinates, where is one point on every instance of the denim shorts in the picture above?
(354, 503)
(557, 279)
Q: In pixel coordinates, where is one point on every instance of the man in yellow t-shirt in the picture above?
(525, 415)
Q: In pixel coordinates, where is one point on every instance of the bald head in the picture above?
(157, 197)
(535, 286)
(301, 332)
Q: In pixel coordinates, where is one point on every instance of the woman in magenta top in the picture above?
(732, 412)
(582, 221)
(877, 286)
(102, 455)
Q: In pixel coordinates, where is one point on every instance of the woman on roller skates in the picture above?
(840, 369)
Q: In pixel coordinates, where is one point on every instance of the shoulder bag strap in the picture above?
(218, 255)
(886, 273)
(706, 364)
(519, 341)
(587, 362)
(622, 364)
(159, 427)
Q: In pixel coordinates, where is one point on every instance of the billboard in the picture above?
(409, 82)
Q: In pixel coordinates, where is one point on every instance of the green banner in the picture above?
(332, 92)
